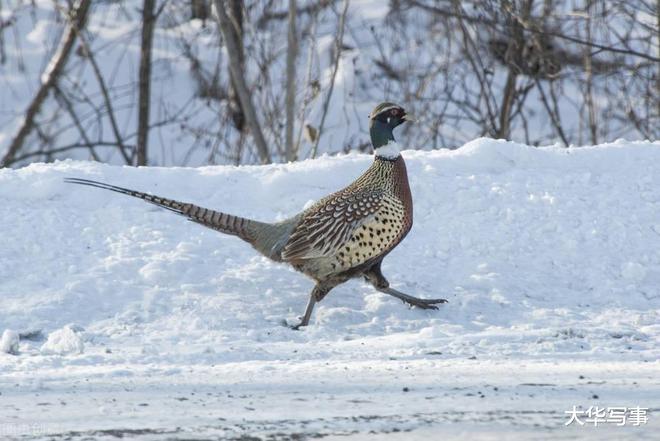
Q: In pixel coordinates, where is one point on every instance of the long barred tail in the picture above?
(226, 223)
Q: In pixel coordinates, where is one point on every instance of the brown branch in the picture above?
(509, 94)
(144, 78)
(589, 100)
(237, 19)
(291, 52)
(483, 21)
(308, 77)
(238, 76)
(507, 104)
(657, 78)
(78, 16)
(479, 69)
(601, 47)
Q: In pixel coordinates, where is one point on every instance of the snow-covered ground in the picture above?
(134, 322)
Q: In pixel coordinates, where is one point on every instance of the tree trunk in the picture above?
(657, 80)
(148, 23)
(507, 104)
(235, 14)
(292, 50)
(49, 78)
(588, 70)
(233, 52)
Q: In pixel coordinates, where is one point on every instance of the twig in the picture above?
(65, 148)
(49, 78)
(339, 41)
(69, 108)
(106, 96)
(477, 67)
(308, 77)
(482, 21)
(553, 117)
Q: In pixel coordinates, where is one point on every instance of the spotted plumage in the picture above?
(354, 226)
(344, 235)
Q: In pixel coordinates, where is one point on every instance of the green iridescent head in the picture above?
(382, 121)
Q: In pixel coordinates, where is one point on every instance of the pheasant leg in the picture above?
(412, 301)
(375, 276)
(308, 313)
(315, 296)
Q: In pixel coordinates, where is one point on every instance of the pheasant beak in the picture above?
(408, 117)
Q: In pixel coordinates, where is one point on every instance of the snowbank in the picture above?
(544, 254)
(539, 250)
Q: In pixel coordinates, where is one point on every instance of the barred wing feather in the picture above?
(330, 223)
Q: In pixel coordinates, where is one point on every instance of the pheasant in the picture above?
(343, 236)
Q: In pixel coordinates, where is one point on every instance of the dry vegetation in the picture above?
(534, 71)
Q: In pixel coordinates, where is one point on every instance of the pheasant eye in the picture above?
(394, 112)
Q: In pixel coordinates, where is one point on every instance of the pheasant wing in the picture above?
(330, 223)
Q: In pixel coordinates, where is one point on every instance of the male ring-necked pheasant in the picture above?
(344, 235)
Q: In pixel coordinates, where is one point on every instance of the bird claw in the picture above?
(286, 324)
(425, 303)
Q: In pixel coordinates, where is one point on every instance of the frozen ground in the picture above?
(136, 323)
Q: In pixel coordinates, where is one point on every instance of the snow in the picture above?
(9, 342)
(155, 327)
(64, 341)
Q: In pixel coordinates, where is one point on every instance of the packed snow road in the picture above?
(288, 399)
(120, 319)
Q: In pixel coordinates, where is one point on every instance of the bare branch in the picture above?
(482, 21)
(106, 96)
(508, 98)
(72, 113)
(66, 148)
(554, 116)
(144, 78)
(49, 78)
(241, 87)
(339, 43)
(291, 53)
(308, 77)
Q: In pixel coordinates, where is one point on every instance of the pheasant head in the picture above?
(382, 121)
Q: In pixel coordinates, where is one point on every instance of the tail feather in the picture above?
(223, 222)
